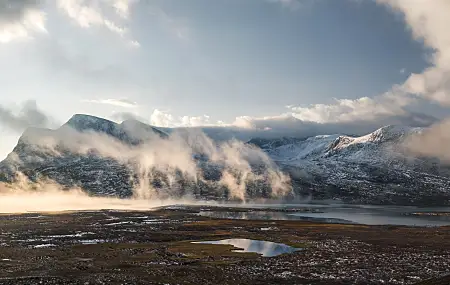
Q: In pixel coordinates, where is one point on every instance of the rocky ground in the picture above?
(111, 247)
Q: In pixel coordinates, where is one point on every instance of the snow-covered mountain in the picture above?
(374, 168)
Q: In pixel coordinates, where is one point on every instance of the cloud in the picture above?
(91, 13)
(362, 109)
(161, 118)
(428, 22)
(122, 102)
(126, 116)
(19, 19)
(171, 157)
(433, 142)
(195, 121)
(342, 118)
(123, 7)
(28, 116)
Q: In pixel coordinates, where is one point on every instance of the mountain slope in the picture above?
(38, 154)
(132, 158)
(370, 169)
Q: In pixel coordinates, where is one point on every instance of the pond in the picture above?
(265, 248)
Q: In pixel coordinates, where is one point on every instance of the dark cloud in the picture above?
(29, 116)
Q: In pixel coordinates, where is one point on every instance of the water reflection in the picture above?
(265, 248)
(348, 214)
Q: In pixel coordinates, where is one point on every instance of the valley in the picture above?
(155, 247)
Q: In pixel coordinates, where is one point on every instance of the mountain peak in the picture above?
(391, 132)
(84, 123)
(85, 120)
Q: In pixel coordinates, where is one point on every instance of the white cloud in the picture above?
(122, 102)
(363, 109)
(428, 22)
(123, 7)
(195, 121)
(161, 118)
(20, 19)
(90, 13)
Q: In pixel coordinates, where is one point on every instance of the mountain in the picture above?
(105, 158)
(370, 169)
(97, 174)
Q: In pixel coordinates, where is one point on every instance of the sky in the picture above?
(254, 64)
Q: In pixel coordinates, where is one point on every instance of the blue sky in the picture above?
(221, 62)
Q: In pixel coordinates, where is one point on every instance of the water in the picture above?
(341, 213)
(265, 248)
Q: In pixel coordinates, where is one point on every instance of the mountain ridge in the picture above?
(364, 169)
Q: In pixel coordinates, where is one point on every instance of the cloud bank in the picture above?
(428, 22)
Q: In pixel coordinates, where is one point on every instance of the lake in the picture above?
(340, 213)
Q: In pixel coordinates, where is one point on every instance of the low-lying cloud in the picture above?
(48, 196)
(173, 157)
(432, 142)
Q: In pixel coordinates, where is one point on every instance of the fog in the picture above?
(432, 142)
(173, 157)
(47, 196)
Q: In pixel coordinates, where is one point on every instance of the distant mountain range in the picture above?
(371, 169)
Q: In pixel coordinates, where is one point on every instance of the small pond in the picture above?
(265, 248)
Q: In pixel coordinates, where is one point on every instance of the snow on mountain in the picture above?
(384, 143)
(375, 168)
(39, 154)
(368, 169)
